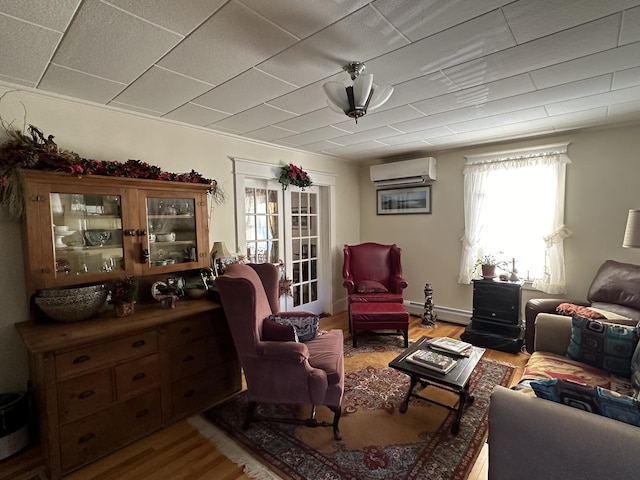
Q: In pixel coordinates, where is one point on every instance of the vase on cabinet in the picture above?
(124, 309)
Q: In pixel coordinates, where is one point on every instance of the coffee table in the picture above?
(456, 381)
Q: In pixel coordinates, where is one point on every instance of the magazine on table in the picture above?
(433, 360)
(449, 345)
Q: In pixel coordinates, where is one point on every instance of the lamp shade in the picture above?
(220, 250)
(632, 231)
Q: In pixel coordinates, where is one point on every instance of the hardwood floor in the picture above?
(179, 452)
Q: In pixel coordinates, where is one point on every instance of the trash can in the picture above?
(14, 423)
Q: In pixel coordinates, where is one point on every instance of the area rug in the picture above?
(379, 442)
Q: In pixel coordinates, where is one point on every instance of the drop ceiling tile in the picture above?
(179, 17)
(244, 91)
(324, 133)
(374, 134)
(579, 89)
(592, 101)
(531, 19)
(54, 15)
(589, 66)
(477, 95)
(417, 136)
(418, 20)
(161, 90)
(480, 36)
(304, 18)
(80, 85)
(351, 149)
(253, 119)
(304, 100)
(624, 109)
(320, 146)
(229, 43)
(499, 120)
(144, 111)
(380, 119)
(109, 43)
(630, 31)
(28, 62)
(222, 129)
(269, 134)
(196, 115)
(584, 40)
(358, 37)
(311, 120)
(421, 88)
(626, 78)
(439, 119)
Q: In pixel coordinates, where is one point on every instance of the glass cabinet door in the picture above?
(172, 231)
(87, 233)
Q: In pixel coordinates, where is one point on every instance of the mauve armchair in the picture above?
(372, 272)
(277, 371)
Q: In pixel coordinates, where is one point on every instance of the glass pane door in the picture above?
(88, 233)
(171, 231)
(262, 226)
(304, 247)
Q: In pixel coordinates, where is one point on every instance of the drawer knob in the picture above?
(86, 437)
(138, 343)
(86, 394)
(139, 376)
(81, 359)
(142, 413)
(185, 330)
(188, 358)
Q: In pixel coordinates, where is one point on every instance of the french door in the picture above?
(283, 227)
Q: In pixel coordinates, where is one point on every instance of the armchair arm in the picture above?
(552, 333)
(535, 439)
(287, 351)
(397, 283)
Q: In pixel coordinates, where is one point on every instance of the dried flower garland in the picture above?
(292, 175)
(36, 152)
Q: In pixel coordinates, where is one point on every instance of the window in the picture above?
(514, 209)
(261, 224)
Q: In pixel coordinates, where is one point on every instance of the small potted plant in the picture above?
(124, 294)
(489, 263)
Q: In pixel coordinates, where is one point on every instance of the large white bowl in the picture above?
(72, 307)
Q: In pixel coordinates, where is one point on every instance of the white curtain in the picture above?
(480, 176)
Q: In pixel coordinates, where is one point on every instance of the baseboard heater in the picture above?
(448, 314)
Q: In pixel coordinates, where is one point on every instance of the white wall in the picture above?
(105, 134)
(602, 185)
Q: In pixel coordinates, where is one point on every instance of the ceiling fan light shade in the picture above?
(380, 97)
(361, 89)
(337, 95)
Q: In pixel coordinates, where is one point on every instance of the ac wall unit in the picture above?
(405, 173)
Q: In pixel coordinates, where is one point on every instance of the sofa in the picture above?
(533, 438)
(614, 289)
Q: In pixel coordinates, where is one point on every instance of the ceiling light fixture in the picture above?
(354, 101)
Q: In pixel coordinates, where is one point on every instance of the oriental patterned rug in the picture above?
(379, 442)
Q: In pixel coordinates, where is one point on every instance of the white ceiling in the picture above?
(464, 71)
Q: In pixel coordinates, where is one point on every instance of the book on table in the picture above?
(438, 362)
(449, 345)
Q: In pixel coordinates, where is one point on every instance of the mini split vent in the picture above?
(400, 174)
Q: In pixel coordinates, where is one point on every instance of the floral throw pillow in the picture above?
(306, 326)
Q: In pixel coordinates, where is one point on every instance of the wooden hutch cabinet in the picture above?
(102, 383)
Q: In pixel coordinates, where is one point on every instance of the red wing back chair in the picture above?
(372, 272)
(277, 368)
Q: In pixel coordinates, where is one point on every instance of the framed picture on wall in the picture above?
(400, 201)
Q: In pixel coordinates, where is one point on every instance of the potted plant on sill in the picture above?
(124, 294)
(489, 263)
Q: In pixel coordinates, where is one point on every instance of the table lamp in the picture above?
(632, 231)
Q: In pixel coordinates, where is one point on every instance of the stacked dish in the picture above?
(72, 304)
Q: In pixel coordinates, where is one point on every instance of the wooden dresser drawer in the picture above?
(82, 360)
(188, 359)
(188, 330)
(91, 437)
(85, 394)
(137, 376)
(203, 390)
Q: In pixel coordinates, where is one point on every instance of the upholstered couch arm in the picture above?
(540, 305)
(289, 351)
(535, 439)
(553, 333)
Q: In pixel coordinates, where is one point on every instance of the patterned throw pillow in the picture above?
(596, 400)
(306, 327)
(603, 345)
(272, 331)
(370, 286)
(571, 309)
